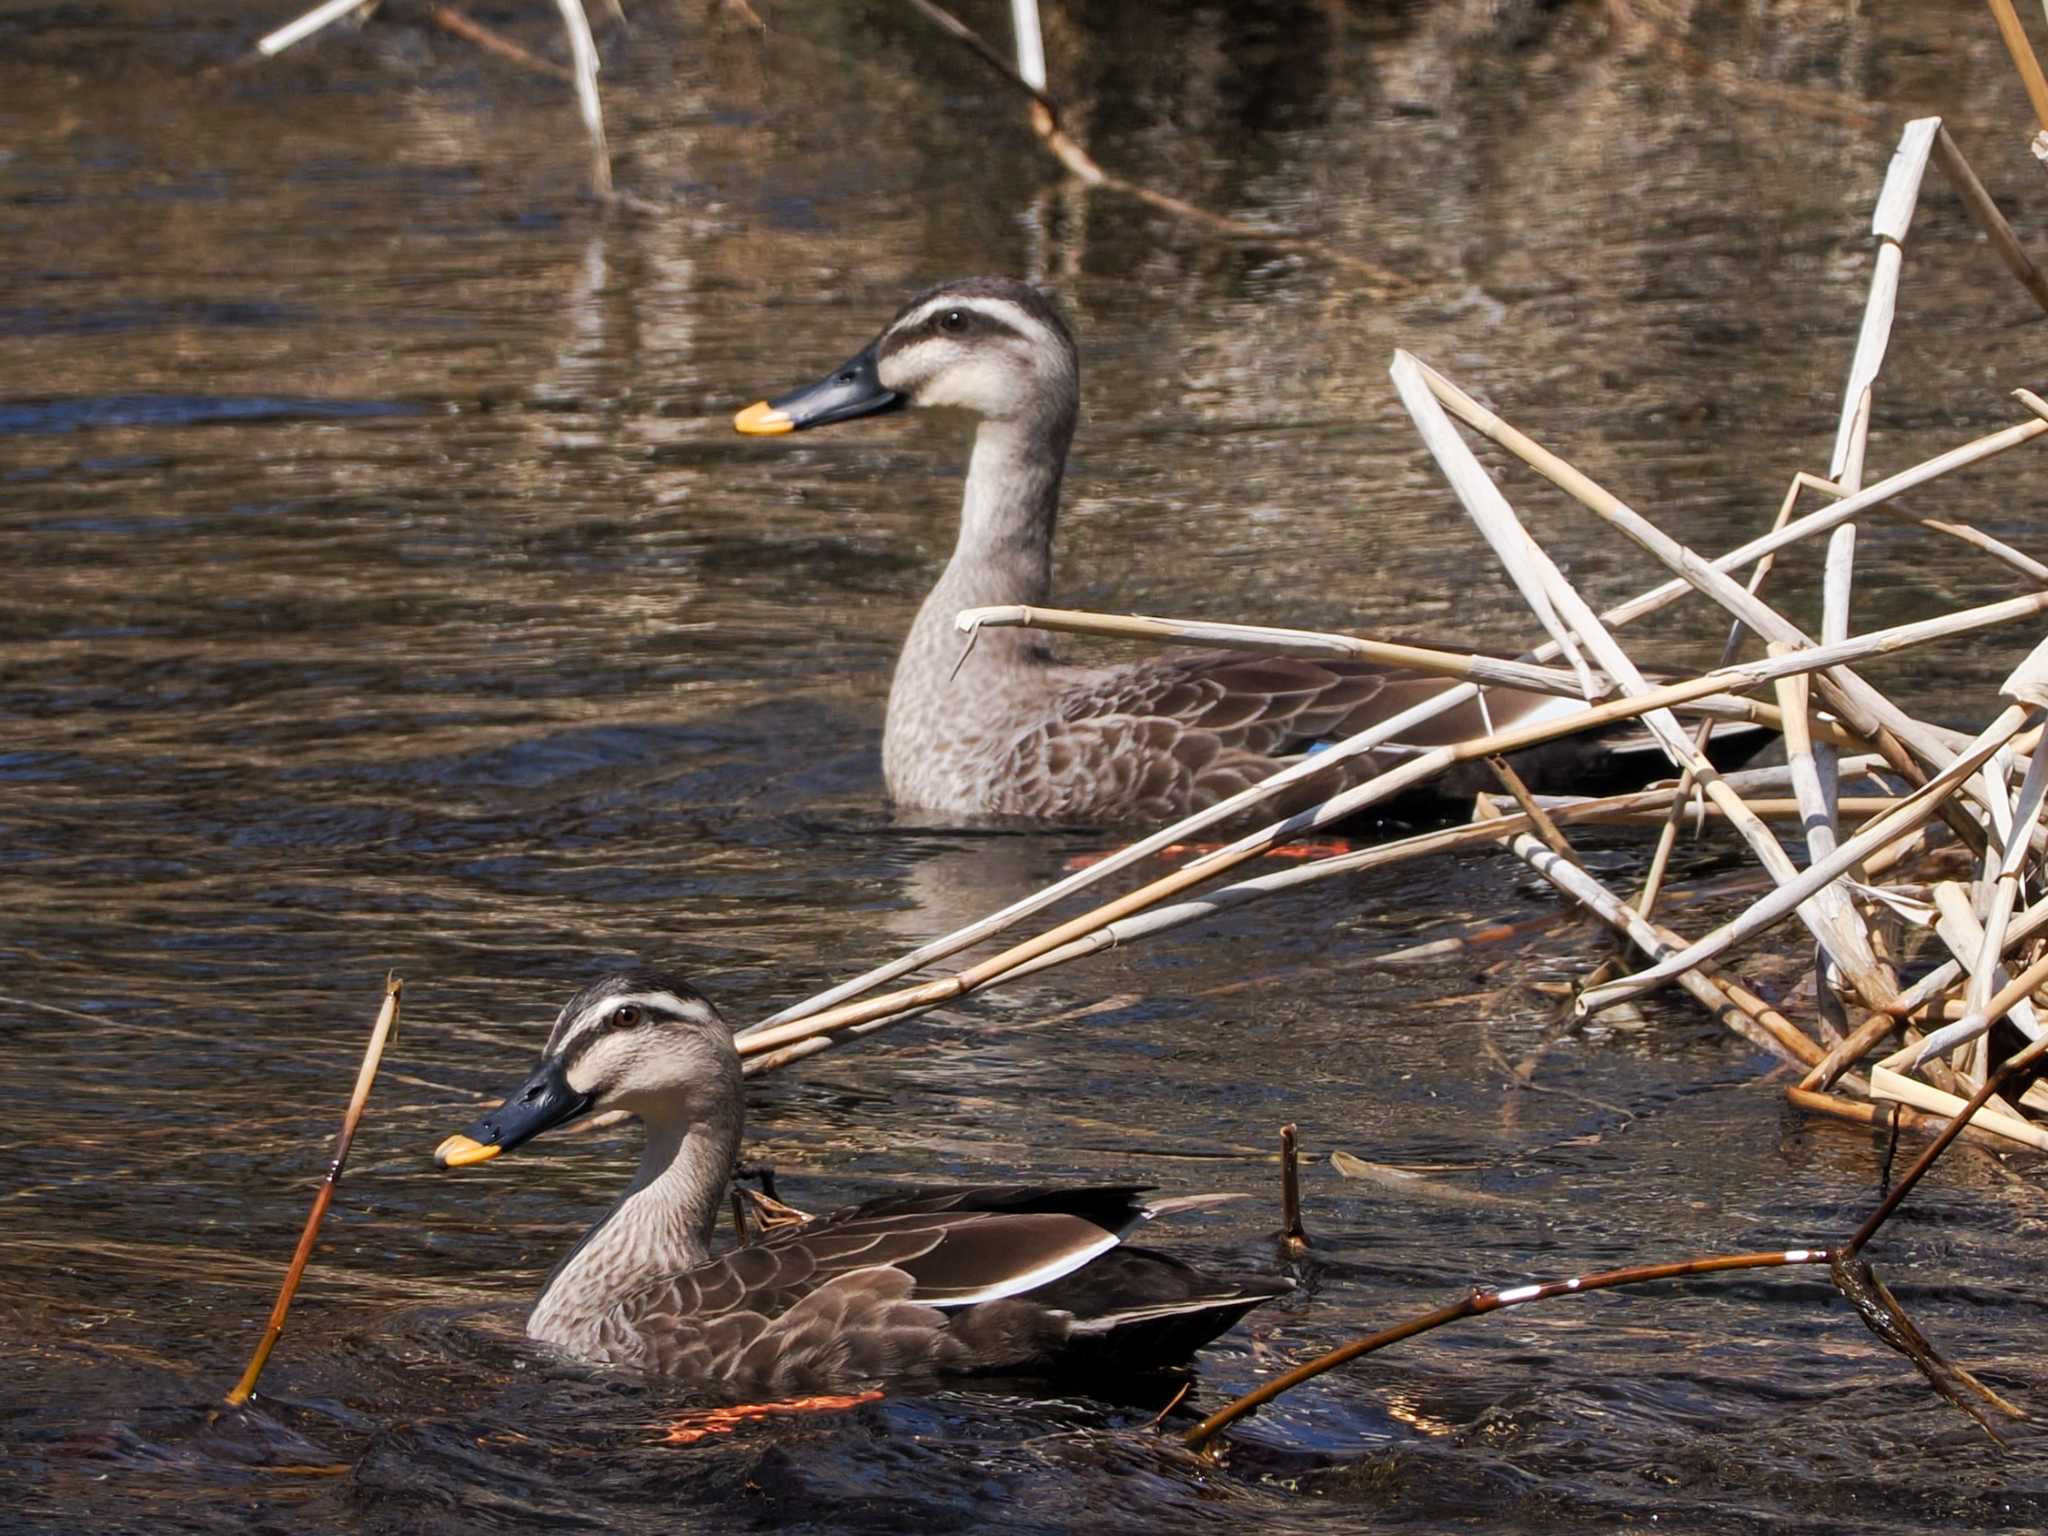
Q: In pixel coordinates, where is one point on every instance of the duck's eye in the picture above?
(953, 321)
(626, 1016)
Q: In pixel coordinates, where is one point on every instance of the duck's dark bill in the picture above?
(850, 390)
(543, 1101)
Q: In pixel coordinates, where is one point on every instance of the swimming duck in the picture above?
(1023, 1280)
(1009, 730)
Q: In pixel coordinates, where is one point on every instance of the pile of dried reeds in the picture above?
(1907, 823)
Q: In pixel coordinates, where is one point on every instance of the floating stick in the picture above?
(1482, 1302)
(380, 1032)
(1293, 1236)
(1887, 828)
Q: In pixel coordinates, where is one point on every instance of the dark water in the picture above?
(388, 591)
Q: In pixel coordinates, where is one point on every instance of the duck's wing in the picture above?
(1113, 1207)
(872, 1291)
(1159, 738)
(1172, 734)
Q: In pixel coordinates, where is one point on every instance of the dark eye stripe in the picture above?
(979, 323)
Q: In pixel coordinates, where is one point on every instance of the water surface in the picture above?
(389, 592)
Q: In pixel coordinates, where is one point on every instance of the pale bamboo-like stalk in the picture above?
(1030, 42)
(766, 1037)
(1779, 1037)
(1265, 639)
(2011, 866)
(1975, 1023)
(325, 15)
(1888, 226)
(1533, 573)
(1989, 1116)
(1871, 1115)
(1957, 927)
(1915, 809)
(380, 1034)
(583, 51)
(1644, 603)
(1830, 914)
(1667, 838)
(1999, 933)
(1860, 704)
(1488, 671)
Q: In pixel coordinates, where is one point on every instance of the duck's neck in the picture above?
(660, 1226)
(1004, 556)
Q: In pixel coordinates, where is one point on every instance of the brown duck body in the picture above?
(1003, 727)
(1027, 1280)
(869, 1294)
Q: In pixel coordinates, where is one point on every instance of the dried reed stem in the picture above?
(1829, 913)
(1884, 1115)
(583, 50)
(1989, 219)
(1478, 1303)
(1270, 640)
(2023, 59)
(274, 43)
(1916, 808)
(380, 1033)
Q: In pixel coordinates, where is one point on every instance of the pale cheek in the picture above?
(983, 387)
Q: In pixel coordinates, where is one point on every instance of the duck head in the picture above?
(990, 345)
(638, 1041)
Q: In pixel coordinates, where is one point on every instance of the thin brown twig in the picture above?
(470, 30)
(380, 1034)
(1478, 1303)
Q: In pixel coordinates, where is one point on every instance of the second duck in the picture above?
(1010, 730)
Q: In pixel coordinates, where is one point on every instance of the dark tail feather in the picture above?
(1144, 1338)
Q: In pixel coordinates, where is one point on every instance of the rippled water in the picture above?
(388, 591)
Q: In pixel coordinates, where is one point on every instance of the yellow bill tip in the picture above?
(461, 1151)
(762, 420)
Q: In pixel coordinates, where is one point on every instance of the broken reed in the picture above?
(1938, 773)
(373, 1056)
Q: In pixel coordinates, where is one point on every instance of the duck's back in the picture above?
(943, 1282)
(1158, 739)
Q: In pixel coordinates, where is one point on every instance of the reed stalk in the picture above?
(380, 1034)
(1478, 1304)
